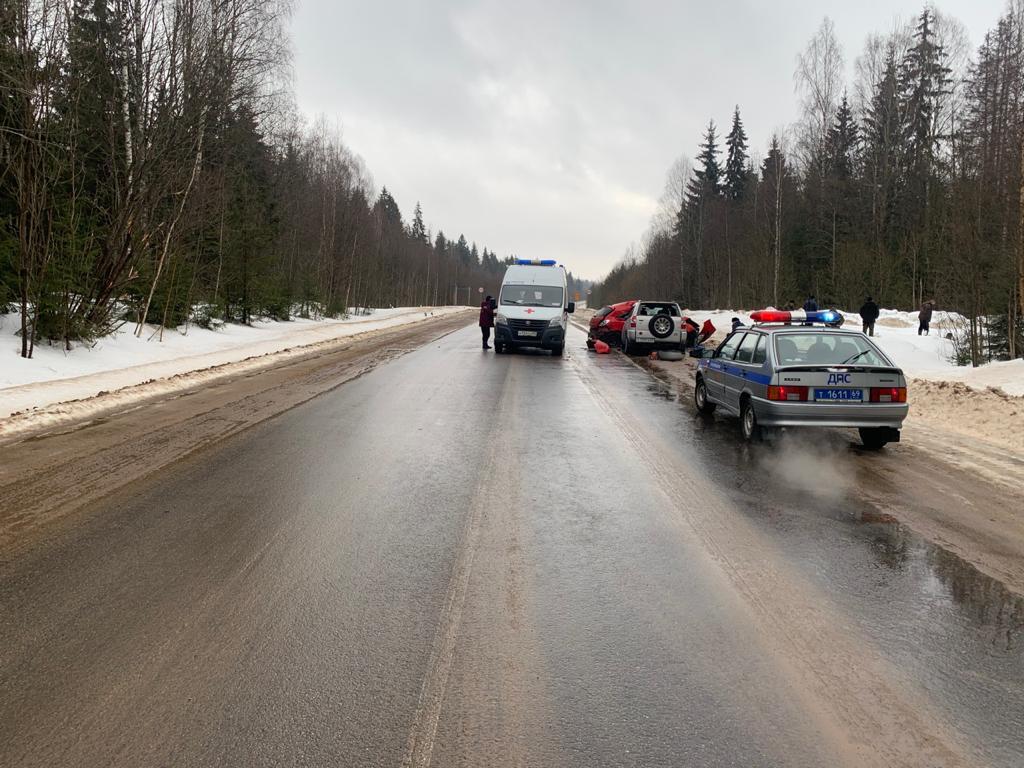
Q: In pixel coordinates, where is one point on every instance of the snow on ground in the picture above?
(122, 360)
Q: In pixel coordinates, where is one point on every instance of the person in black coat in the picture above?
(868, 315)
(486, 319)
(811, 305)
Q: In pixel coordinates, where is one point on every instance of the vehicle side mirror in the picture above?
(571, 307)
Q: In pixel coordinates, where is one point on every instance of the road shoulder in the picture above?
(48, 476)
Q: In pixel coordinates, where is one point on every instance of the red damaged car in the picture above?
(606, 324)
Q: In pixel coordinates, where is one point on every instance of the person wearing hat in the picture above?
(487, 319)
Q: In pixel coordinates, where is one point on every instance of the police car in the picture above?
(800, 369)
(653, 325)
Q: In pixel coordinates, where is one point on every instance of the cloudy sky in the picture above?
(546, 127)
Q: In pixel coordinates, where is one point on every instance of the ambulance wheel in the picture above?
(700, 397)
(873, 439)
(748, 423)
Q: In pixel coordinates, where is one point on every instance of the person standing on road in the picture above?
(924, 318)
(487, 319)
(868, 315)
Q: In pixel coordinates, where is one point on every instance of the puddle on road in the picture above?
(951, 629)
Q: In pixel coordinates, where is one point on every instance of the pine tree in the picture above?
(736, 159)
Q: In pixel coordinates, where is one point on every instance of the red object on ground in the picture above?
(706, 331)
(601, 348)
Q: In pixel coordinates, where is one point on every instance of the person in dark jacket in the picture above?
(811, 305)
(487, 319)
(736, 323)
(868, 315)
(924, 318)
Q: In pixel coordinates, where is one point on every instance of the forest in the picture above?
(154, 168)
(903, 182)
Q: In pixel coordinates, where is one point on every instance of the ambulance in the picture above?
(533, 307)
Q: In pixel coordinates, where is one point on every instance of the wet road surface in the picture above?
(468, 559)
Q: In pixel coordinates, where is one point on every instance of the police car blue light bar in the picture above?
(824, 316)
(536, 262)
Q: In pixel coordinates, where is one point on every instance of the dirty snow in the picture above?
(122, 360)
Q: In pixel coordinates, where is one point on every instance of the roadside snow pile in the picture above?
(122, 360)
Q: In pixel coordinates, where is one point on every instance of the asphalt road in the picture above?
(463, 559)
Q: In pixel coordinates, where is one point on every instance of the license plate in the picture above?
(528, 333)
(839, 394)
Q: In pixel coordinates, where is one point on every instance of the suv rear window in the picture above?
(602, 311)
(826, 349)
(651, 308)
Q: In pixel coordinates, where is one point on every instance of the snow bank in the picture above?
(921, 357)
(122, 360)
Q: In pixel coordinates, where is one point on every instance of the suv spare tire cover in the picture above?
(661, 326)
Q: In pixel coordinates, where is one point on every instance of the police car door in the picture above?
(745, 374)
(734, 376)
(714, 376)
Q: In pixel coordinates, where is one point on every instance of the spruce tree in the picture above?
(736, 159)
(842, 142)
(418, 231)
(706, 180)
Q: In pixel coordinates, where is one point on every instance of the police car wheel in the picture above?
(700, 397)
(748, 423)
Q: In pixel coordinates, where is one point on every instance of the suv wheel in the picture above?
(661, 326)
(748, 422)
(626, 347)
(700, 397)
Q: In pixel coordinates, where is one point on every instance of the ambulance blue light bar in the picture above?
(536, 262)
(823, 316)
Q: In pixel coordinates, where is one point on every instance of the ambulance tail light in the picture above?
(791, 394)
(888, 394)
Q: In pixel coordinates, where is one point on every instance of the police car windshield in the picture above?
(531, 295)
(825, 349)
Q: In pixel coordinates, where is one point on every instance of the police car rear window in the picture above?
(825, 349)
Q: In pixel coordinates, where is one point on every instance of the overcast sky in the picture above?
(545, 128)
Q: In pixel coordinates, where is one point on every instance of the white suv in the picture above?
(654, 325)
